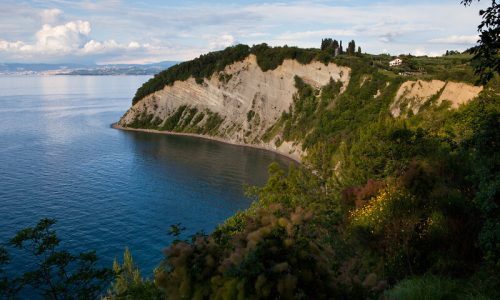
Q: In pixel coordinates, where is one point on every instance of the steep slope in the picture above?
(238, 104)
(280, 98)
(412, 95)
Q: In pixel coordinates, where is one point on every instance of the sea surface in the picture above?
(110, 189)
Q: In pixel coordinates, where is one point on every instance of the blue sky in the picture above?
(119, 31)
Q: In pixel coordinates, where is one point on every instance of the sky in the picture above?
(122, 31)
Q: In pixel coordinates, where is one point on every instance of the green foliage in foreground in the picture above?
(128, 283)
(487, 52)
(57, 274)
(431, 287)
(275, 255)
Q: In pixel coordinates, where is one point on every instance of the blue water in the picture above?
(109, 189)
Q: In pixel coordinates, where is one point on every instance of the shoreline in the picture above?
(217, 139)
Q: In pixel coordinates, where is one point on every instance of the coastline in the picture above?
(212, 138)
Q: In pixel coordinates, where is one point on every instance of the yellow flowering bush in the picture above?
(381, 209)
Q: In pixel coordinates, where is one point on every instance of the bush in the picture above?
(54, 273)
(431, 288)
(275, 255)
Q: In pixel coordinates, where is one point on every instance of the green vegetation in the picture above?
(433, 288)
(487, 53)
(223, 77)
(250, 115)
(214, 120)
(55, 273)
(269, 58)
(184, 119)
(145, 121)
(389, 200)
(401, 207)
(172, 121)
(129, 284)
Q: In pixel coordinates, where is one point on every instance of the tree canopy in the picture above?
(486, 53)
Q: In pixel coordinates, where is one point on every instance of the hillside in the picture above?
(248, 95)
(397, 195)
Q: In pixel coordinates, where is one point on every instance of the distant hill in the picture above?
(81, 69)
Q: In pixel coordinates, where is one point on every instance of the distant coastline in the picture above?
(31, 69)
(217, 139)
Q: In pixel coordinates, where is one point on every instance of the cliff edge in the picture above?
(279, 106)
(238, 104)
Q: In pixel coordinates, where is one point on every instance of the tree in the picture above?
(4, 281)
(451, 52)
(335, 44)
(329, 45)
(359, 50)
(486, 53)
(351, 47)
(326, 44)
(129, 284)
(58, 273)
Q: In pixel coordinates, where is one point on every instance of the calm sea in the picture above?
(109, 189)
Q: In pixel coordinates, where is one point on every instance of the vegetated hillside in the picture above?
(398, 196)
(249, 95)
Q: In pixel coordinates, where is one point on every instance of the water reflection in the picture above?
(216, 162)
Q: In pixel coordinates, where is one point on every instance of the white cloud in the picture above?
(124, 30)
(423, 52)
(65, 38)
(134, 45)
(315, 34)
(11, 46)
(50, 16)
(52, 39)
(457, 40)
(221, 42)
(95, 47)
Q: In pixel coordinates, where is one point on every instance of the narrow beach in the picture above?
(292, 157)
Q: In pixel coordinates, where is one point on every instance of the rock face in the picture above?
(237, 105)
(412, 95)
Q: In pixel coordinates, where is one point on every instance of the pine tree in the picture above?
(351, 48)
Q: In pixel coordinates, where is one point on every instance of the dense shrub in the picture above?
(270, 58)
(275, 255)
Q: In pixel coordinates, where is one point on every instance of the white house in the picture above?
(395, 62)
